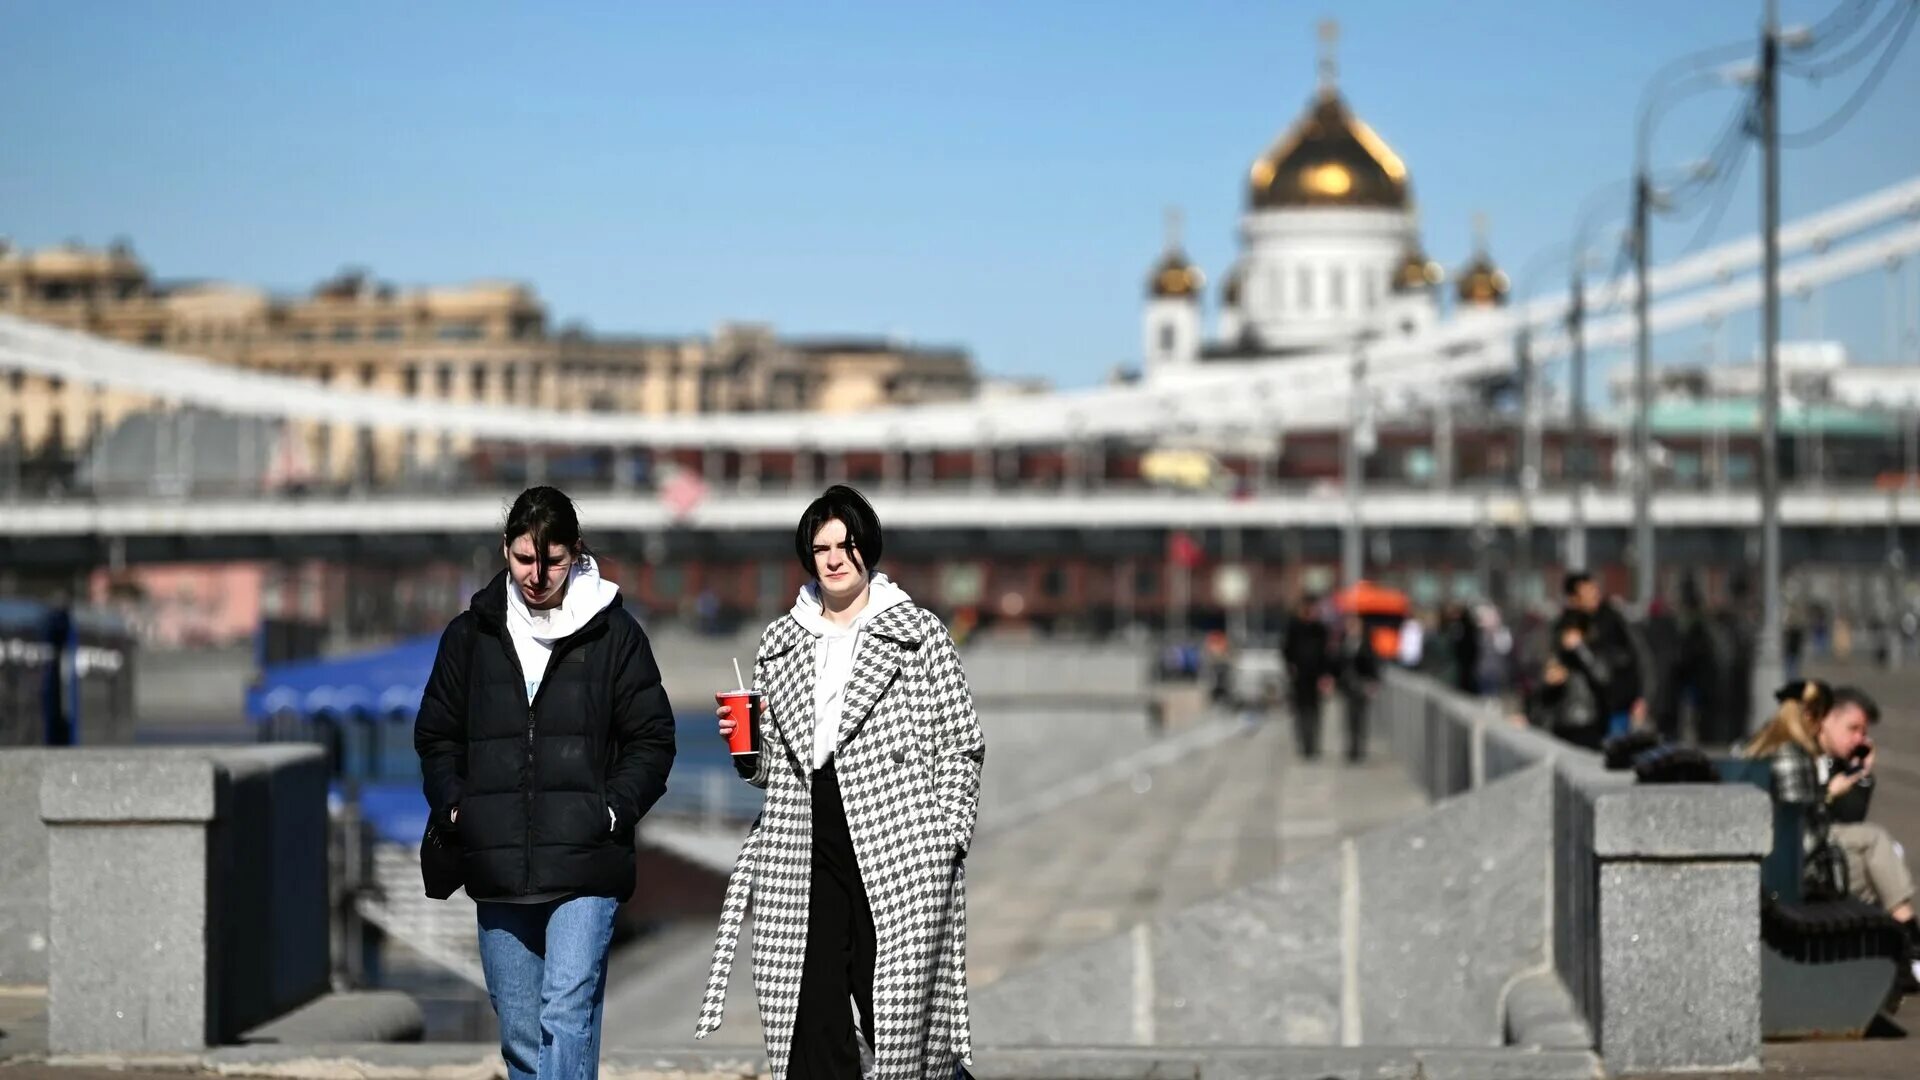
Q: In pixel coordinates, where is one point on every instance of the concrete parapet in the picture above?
(186, 891)
(1659, 916)
(1407, 935)
(1655, 889)
(23, 869)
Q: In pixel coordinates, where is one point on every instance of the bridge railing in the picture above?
(1654, 890)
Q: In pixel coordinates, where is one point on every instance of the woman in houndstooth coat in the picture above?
(855, 869)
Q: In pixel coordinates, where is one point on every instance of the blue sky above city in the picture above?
(990, 175)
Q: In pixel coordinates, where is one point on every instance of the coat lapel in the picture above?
(787, 657)
(889, 639)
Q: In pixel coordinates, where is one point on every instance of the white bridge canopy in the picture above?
(1222, 398)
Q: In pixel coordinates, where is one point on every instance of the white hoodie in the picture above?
(535, 632)
(834, 651)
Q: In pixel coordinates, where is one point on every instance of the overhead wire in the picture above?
(1809, 63)
(1838, 119)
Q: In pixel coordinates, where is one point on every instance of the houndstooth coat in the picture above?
(909, 762)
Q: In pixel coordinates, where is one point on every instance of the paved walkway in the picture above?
(1227, 813)
(1162, 839)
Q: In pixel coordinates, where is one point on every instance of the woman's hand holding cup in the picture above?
(735, 712)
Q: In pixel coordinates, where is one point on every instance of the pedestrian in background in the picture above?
(1308, 652)
(1359, 681)
(1567, 700)
(854, 871)
(544, 737)
(1612, 642)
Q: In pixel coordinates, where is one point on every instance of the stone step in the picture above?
(442, 931)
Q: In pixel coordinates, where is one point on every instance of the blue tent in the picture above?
(383, 684)
(361, 708)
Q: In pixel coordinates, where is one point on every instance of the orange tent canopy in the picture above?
(1367, 598)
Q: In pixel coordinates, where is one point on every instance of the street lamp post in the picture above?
(1645, 581)
(1579, 450)
(1679, 79)
(1352, 553)
(1529, 457)
(1768, 666)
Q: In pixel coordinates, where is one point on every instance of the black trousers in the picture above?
(838, 969)
(1358, 702)
(1306, 718)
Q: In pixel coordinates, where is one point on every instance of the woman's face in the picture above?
(542, 581)
(841, 572)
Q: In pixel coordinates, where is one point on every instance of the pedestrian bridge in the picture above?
(961, 508)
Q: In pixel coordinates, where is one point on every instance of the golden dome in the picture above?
(1175, 278)
(1416, 272)
(1482, 284)
(1329, 157)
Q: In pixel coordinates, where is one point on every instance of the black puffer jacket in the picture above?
(534, 783)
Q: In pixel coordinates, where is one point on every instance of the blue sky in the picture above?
(989, 174)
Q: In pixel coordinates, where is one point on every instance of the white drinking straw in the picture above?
(737, 680)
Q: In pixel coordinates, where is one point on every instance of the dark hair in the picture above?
(1572, 582)
(847, 506)
(1853, 695)
(547, 517)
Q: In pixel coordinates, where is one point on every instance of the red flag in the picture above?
(1183, 550)
(682, 491)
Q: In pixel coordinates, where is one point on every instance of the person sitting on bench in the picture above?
(1876, 869)
(1790, 743)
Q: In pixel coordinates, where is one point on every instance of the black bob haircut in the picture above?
(847, 506)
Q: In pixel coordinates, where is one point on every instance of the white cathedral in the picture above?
(1329, 253)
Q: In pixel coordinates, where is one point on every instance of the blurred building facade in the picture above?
(487, 342)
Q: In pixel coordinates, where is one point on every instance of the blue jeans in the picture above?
(1619, 724)
(546, 967)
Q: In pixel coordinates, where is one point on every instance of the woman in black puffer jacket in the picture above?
(544, 737)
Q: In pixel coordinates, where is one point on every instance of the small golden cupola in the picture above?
(1482, 283)
(1174, 276)
(1329, 157)
(1416, 272)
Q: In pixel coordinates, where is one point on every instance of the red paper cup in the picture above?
(746, 712)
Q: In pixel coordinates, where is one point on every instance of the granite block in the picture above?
(127, 787)
(130, 966)
(270, 851)
(1261, 965)
(1670, 821)
(23, 869)
(1679, 965)
(1452, 904)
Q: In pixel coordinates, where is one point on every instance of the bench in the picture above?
(1826, 967)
